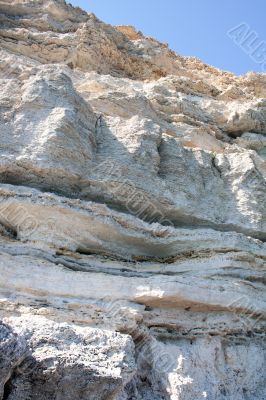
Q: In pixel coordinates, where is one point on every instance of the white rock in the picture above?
(132, 209)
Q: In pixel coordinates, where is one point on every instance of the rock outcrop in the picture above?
(132, 215)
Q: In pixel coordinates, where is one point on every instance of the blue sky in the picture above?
(196, 27)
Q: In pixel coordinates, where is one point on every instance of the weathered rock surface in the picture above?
(65, 362)
(132, 215)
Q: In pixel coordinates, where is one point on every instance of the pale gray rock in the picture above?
(66, 362)
(13, 350)
(132, 215)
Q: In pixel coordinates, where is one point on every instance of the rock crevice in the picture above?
(132, 215)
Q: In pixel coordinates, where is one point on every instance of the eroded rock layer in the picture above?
(132, 215)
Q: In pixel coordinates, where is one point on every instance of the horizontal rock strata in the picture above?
(132, 215)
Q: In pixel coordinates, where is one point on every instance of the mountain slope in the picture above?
(133, 215)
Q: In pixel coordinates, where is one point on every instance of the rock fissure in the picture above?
(132, 215)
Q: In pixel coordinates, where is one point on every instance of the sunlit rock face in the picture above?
(132, 215)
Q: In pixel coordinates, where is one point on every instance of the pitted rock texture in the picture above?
(66, 362)
(132, 215)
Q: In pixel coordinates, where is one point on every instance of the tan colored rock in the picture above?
(132, 209)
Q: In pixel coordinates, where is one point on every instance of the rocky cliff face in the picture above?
(132, 215)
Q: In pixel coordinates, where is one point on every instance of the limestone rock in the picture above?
(13, 350)
(67, 362)
(132, 215)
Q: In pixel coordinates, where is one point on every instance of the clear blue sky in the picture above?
(191, 27)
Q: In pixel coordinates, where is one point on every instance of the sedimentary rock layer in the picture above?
(132, 215)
